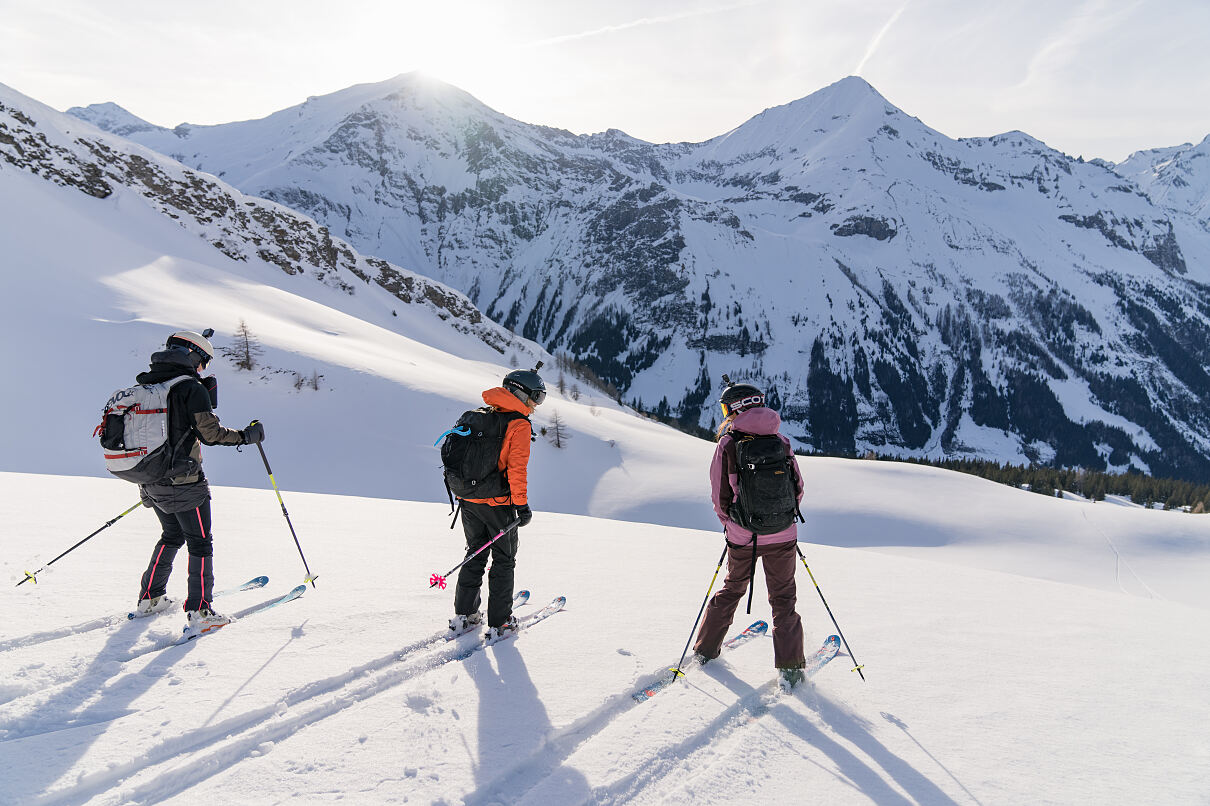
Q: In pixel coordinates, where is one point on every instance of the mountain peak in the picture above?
(111, 117)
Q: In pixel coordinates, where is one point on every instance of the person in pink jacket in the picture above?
(759, 521)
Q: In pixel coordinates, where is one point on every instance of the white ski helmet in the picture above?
(195, 343)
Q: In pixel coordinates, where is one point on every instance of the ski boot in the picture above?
(199, 622)
(155, 604)
(506, 629)
(787, 679)
(462, 624)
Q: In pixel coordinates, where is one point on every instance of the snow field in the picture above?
(982, 686)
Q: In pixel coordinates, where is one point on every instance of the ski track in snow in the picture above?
(840, 739)
(239, 737)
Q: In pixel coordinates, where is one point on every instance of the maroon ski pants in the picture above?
(778, 560)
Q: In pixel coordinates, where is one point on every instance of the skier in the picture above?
(182, 503)
(757, 503)
(483, 518)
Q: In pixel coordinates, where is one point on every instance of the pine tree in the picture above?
(245, 352)
(557, 432)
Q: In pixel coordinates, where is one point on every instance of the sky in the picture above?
(1092, 78)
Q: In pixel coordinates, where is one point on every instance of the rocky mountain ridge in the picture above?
(38, 140)
(894, 289)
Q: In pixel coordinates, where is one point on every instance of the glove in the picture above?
(254, 434)
(525, 514)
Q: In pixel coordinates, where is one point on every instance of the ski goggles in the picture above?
(538, 396)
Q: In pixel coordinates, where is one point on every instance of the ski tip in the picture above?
(256, 582)
(832, 640)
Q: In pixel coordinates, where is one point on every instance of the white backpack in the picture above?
(134, 434)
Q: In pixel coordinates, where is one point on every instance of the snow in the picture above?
(1016, 648)
(982, 686)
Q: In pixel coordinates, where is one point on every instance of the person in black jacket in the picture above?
(182, 503)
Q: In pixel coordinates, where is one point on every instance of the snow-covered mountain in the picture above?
(893, 288)
(108, 247)
(1016, 648)
(1176, 178)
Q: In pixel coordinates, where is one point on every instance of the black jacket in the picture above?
(191, 421)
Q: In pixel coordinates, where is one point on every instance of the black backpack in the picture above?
(470, 454)
(767, 501)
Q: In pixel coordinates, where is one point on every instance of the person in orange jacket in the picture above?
(483, 518)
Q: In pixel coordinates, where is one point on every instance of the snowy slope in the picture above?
(900, 290)
(1018, 649)
(982, 686)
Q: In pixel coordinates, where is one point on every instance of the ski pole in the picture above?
(859, 666)
(677, 671)
(310, 577)
(438, 580)
(31, 577)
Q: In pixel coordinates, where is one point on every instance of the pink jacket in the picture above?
(724, 485)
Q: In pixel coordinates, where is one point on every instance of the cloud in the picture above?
(876, 42)
(639, 23)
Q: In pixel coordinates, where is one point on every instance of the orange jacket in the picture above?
(514, 453)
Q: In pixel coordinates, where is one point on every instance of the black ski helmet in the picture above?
(198, 344)
(737, 397)
(527, 384)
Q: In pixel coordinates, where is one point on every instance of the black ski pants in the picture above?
(482, 522)
(193, 527)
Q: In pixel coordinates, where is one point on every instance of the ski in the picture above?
(251, 584)
(189, 634)
(825, 653)
(107, 621)
(754, 629)
(555, 606)
(519, 598)
(524, 623)
(814, 663)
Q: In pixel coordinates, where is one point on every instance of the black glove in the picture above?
(524, 514)
(254, 433)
